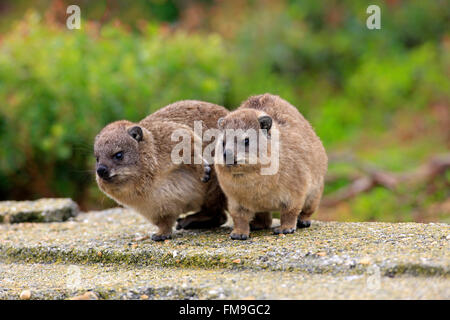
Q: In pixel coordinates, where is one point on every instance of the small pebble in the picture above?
(144, 297)
(25, 295)
(365, 261)
(321, 253)
(237, 261)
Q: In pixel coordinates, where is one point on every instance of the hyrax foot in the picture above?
(283, 231)
(303, 224)
(241, 217)
(239, 236)
(288, 219)
(161, 237)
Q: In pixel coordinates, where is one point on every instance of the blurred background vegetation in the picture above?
(378, 99)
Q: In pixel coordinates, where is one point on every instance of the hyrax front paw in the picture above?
(239, 236)
(303, 224)
(161, 237)
(280, 230)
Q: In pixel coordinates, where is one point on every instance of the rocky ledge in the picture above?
(42, 210)
(107, 255)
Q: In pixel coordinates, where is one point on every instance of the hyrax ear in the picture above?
(220, 123)
(136, 133)
(265, 122)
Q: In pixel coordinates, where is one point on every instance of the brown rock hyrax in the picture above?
(135, 168)
(282, 169)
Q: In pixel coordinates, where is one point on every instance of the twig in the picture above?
(426, 172)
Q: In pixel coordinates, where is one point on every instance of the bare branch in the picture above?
(426, 172)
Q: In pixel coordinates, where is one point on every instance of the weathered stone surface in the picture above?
(42, 210)
(328, 260)
(59, 281)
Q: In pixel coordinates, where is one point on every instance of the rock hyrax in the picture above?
(294, 189)
(134, 168)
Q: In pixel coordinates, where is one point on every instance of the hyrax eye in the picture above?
(118, 155)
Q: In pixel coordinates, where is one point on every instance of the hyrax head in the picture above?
(117, 150)
(244, 140)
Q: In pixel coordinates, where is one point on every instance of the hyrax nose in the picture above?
(102, 171)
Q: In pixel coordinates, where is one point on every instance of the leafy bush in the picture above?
(320, 56)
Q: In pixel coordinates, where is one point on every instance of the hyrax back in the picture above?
(134, 167)
(186, 112)
(294, 188)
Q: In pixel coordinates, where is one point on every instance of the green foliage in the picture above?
(320, 56)
(366, 207)
(60, 88)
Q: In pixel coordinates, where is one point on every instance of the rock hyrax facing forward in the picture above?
(295, 186)
(134, 167)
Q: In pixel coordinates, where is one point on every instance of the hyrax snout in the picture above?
(268, 158)
(134, 167)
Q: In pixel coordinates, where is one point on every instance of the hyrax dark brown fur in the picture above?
(294, 189)
(134, 168)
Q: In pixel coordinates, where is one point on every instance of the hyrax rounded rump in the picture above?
(280, 168)
(134, 167)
